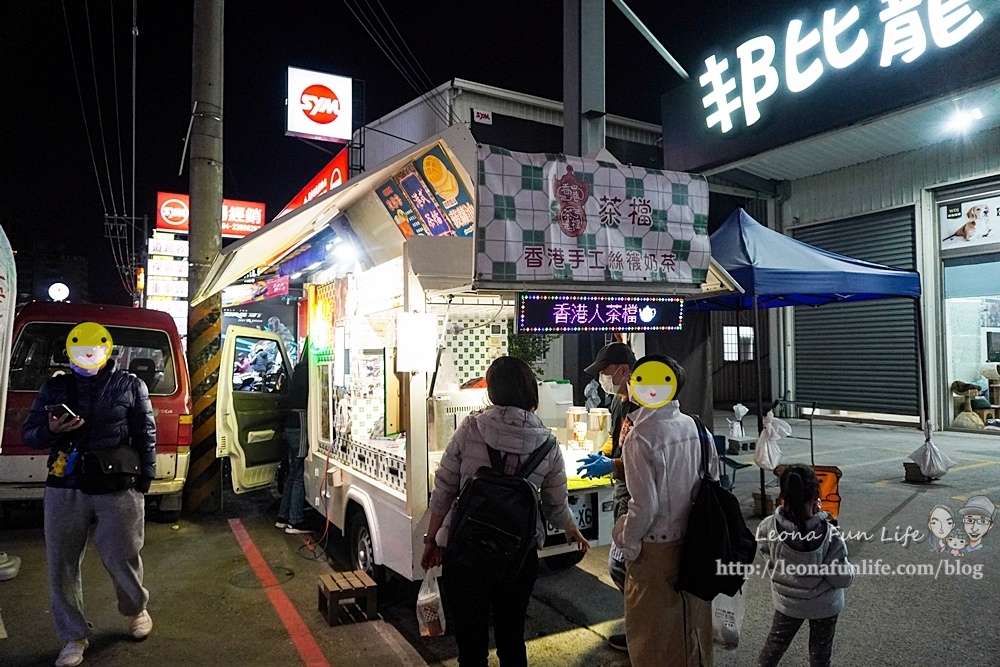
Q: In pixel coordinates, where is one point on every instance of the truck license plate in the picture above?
(584, 515)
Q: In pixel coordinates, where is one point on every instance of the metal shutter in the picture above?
(860, 356)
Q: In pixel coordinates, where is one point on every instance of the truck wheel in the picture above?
(563, 561)
(362, 549)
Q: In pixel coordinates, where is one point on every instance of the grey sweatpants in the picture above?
(118, 536)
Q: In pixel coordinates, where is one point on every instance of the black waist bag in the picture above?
(104, 470)
(109, 470)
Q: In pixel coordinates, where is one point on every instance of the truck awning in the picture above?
(436, 260)
(375, 232)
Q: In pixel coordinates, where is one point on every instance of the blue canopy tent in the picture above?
(777, 271)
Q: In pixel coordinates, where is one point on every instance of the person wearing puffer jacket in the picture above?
(111, 415)
(510, 426)
(799, 538)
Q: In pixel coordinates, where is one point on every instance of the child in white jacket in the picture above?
(809, 569)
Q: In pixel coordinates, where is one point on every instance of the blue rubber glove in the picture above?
(595, 465)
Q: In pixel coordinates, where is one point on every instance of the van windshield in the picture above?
(40, 353)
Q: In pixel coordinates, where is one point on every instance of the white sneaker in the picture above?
(72, 653)
(141, 625)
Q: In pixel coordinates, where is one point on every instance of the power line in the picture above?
(118, 122)
(427, 78)
(100, 118)
(135, 35)
(83, 110)
(372, 32)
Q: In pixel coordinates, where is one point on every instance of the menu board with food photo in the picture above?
(427, 197)
(399, 208)
(439, 173)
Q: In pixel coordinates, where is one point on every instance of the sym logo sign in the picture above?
(319, 106)
(174, 212)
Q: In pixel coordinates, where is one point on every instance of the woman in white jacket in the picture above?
(510, 426)
(662, 456)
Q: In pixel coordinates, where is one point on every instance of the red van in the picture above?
(146, 344)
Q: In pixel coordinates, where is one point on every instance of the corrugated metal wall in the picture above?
(734, 381)
(897, 180)
(417, 122)
(411, 125)
(860, 356)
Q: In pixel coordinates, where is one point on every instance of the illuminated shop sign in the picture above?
(904, 31)
(562, 313)
(829, 65)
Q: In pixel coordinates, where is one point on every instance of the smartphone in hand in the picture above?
(60, 410)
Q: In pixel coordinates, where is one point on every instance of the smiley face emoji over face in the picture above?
(655, 381)
(89, 345)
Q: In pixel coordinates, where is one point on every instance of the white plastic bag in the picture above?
(430, 611)
(736, 425)
(932, 461)
(727, 619)
(768, 453)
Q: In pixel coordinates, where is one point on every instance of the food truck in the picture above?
(414, 273)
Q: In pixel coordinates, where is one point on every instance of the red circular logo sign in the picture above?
(320, 104)
(174, 212)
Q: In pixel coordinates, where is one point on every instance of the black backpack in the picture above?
(716, 533)
(493, 528)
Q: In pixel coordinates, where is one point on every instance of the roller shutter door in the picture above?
(860, 356)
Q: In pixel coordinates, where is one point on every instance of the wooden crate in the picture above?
(347, 597)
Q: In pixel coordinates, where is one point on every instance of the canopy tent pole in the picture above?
(925, 408)
(760, 395)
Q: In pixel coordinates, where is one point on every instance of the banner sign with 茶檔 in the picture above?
(553, 218)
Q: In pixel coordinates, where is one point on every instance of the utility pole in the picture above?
(583, 77)
(203, 489)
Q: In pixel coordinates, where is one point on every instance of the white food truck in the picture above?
(411, 281)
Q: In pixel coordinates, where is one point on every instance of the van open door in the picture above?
(8, 299)
(254, 381)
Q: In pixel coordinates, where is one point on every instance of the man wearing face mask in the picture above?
(613, 366)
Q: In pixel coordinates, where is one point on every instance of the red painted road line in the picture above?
(304, 642)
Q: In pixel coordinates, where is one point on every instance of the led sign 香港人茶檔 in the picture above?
(561, 313)
(901, 30)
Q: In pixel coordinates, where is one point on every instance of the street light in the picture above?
(58, 291)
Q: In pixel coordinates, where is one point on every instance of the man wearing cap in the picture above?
(977, 519)
(613, 366)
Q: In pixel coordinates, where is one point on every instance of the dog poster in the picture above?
(971, 223)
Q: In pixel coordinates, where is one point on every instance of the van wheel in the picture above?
(168, 508)
(362, 549)
(167, 516)
(563, 561)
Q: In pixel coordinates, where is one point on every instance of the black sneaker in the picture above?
(281, 523)
(296, 529)
(618, 642)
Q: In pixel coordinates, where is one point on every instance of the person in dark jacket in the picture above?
(111, 414)
(293, 496)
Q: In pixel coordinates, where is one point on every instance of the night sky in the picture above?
(49, 189)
